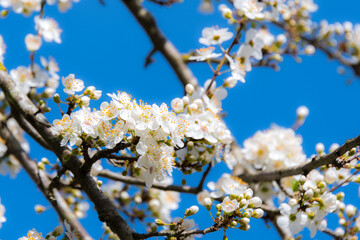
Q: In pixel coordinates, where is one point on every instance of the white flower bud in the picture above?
(199, 103)
(90, 90)
(309, 50)
(248, 193)
(78, 142)
(245, 221)
(124, 195)
(255, 202)
(186, 100)
(48, 92)
(320, 148)
(45, 160)
(177, 105)
(350, 210)
(302, 112)
(137, 199)
(32, 42)
(191, 210)
(302, 179)
(342, 221)
(243, 202)
(85, 100)
(207, 202)
(96, 95)
(39, 208)
(230, 82)
(339, 231)
(192, 107)
(309, 193)
(293, 202)
(258, 213)
(189, 88)
(281, 38)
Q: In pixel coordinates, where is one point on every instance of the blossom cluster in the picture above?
(27, 7)
(273, 149)
(158, 130)
(53, 235)
(238, 201)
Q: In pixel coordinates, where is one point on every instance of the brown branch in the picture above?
(160, 42)
(316, 162)
(104, 207)
(31, 168)
(134, 181)
(179, 234)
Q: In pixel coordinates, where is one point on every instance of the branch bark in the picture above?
(160, 42)
(104, 207)
(58, 203)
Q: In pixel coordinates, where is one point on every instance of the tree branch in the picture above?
(160, 42)
(316, 162)
(134, 181)
(31, 168)
(104, 207)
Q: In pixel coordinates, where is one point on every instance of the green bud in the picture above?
(159, 222)
(183, 182)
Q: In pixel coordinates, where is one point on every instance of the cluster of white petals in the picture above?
(273, 149)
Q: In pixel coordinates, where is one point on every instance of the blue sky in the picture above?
(104, 46)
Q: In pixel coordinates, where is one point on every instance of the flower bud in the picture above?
(309, 50)
(192, 107)
(89, 90)
(58, 231)
(199, 103)
(302, 112)
(189, 88)
(258, 213)
(281, 38)
(124, 195)
(233, 223)
(255, 202)
(39, 208)
(244, 221)
(320, 148)
(56, 98)
(186, 100)
(350, 210)
(99, 183)
(191, 210)
(137, 199)
(309, 193)
(208, 203)
(302, 179)
(85, 100)
(159, 222)
(177, 105)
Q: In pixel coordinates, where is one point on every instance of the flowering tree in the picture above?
(121, 156)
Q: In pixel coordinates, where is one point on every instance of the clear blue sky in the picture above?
(106, 48)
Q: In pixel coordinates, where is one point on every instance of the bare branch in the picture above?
(134, 181)
(160, 42)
